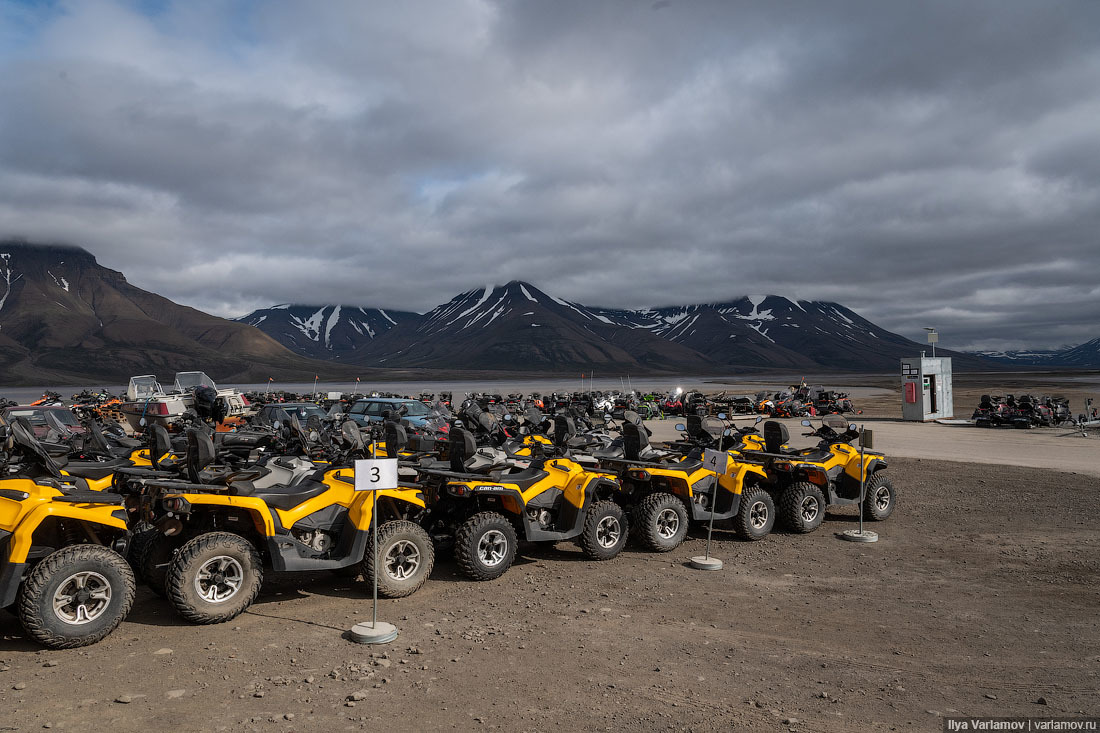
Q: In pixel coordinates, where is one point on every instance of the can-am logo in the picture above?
(490, 488)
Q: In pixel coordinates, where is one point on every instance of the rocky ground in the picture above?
(980, 599)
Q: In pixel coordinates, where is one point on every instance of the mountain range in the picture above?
(518, 326)
(66, 319)
(1082, 356)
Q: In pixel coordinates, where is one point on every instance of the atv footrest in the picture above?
(89, 497)
(183, 486)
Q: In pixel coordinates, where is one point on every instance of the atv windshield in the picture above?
(36, 416)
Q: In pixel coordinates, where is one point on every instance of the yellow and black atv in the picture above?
(666, 495)
(555, 499)
(220, 528)
(61, 548)
(808, 480)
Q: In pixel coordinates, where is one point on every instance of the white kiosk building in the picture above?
(926, 388)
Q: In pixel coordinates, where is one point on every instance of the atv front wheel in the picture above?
(880, 498)
(756, 515)
(485, 546)
(214, 578)
(76, 596)
(661, 522)
(406, 556)
(605, 531)
(803, 507)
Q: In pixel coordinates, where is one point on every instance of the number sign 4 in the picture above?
(715, 460)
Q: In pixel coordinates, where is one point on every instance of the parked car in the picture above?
(371, 409)
(36, 416)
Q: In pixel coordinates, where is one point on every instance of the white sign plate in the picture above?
(714, 460)
(379, 473)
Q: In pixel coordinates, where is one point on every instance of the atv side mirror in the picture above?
(721, 416)
(727, 432)
(807, 423)
(759, 419)
(680, 426)
(852, 427)
(142, 422)
(866, 439)
(314, 436)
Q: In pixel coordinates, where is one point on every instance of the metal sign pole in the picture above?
(375, 633)
(712, 458)
(863, 476)
(374, 552)
(860, 535)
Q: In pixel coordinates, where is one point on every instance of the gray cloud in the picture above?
(923, 163)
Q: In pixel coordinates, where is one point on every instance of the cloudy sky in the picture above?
(926, 164)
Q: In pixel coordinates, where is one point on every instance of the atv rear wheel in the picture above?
(880, 498)
(661, 522)
(485, 545)
(605, 531)
(756, 514)
(76, 596)
(406, 556)
(803, 507)
(139, 536)
(214, 578)
(153, 557)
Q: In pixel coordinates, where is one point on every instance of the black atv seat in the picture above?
(280, 496)
(635, 440)
(396, 438)
(525, 479)
(812, 455)
(775, 435)
(461, 446)
(251, 440)
(611, 451)
(95, 470)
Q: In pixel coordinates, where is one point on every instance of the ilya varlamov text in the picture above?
(1021, 724)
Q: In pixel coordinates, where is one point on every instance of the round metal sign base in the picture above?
(705, 563)
(854, 535)
(381, 633)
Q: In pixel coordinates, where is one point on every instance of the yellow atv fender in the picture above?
(25, 506)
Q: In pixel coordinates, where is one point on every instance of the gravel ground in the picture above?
(980, 599)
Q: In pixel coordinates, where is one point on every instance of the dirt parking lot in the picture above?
(980, 599)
